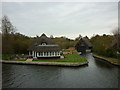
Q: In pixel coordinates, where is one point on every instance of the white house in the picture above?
(44, 47)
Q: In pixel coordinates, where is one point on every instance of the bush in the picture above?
(111, 52)
(6, 56)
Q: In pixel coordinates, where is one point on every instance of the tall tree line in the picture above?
(7, 31)
(16, 43)
(13, 42)
(106, 45)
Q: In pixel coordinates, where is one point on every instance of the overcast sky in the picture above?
(62, 19)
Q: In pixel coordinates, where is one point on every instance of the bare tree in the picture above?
(7, 30)
(78, 38)
(7, 27)
(51, 36)
(116, 41)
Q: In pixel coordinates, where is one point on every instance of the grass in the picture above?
(6, 56)
(68, 58)
(113, 60)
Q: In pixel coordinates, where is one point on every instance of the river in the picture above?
(98, 74)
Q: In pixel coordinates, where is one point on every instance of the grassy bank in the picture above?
(109, 59)
(6, 56)
(68, 58)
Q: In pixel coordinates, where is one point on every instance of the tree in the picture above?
(7, 27)
(101, 44)
(78, 38)
(116, 40)
(7, 30)
(87, 37)
(51, 36)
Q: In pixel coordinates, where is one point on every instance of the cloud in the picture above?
(61, 18)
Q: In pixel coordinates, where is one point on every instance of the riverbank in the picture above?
(45, 63)
(110, 60)
(71, 58)
(68, 60)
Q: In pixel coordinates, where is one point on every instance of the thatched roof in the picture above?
(86, 42)
(43, 39)
(37, 45)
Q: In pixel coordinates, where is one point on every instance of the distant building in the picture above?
(83, 45)
(44, 47)
(70, 50)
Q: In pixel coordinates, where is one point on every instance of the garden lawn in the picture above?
(68, 58)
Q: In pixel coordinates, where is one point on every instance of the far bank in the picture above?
(113, 61)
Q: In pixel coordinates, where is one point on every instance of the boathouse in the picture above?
(44, 47)
(83, 45)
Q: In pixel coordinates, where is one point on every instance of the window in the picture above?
(47, 53)
(41, 53)
(30, 52)
(43, 43)
(56, 53)
(52, 53)
(44, 53)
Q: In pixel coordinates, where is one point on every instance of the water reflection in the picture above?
(103, 64)
(98, 74)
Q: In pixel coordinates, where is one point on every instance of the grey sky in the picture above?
(62, 19)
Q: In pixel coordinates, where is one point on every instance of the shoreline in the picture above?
(45, 63)
(104, 59)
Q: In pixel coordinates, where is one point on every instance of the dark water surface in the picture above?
(98, 74)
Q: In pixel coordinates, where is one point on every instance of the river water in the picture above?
(98, 74)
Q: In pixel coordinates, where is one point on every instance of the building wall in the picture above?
(82, 47)
(35, 54)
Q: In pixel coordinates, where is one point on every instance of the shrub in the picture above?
(110, 52)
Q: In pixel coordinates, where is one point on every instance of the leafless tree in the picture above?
(7, 29)
(7, 26)
(116, 41)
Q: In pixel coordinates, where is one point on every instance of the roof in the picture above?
(86, 41)
(45, 48)
(50, 45)
(43, 39)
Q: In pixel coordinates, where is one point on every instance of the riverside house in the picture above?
(44, 47)
(83, 45)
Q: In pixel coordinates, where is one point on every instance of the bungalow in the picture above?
(83, 45)
(44, 47)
